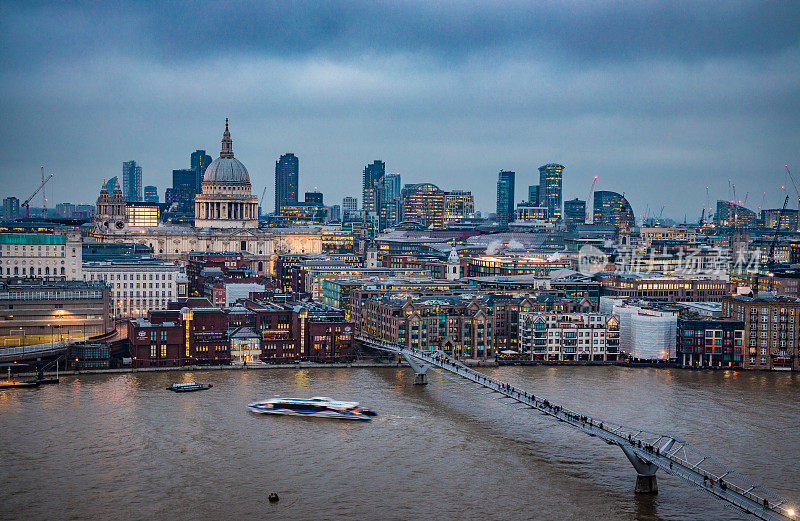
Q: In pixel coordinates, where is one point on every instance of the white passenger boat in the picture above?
(319, 406)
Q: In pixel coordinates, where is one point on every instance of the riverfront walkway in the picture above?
(647, 451)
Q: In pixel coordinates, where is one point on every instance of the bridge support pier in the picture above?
(420, 370)
(646, 482)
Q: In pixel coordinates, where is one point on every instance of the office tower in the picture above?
(131, 181)
(612, 208)
(458, 205)
(287, 171)
(10, 208)
(314, 197)
(424, 203)
(388, 200)
(533, 195)
(550, 177)
(372, 174)
(150, 194)
(505, 197)
(349, 205)
(184, 190)
(198, 162)
(574, 213)
(335, 213)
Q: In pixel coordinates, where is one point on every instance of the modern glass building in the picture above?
(550, 177)
(150, 194)
(505, 197)
(533, 195)
(287, 172)
(612, 208)
(372, 174)
(574, 212)
(131, 181)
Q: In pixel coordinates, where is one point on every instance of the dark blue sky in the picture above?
(659, 101)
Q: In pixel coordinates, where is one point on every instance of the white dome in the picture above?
(226, 170)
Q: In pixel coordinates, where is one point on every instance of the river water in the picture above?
(122, 447)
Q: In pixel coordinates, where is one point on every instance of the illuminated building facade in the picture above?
(574, 213)
(771, 330)
(137, 285)
(40, 311)
(572, 337)
(505, 197)
(424, 203)
(731, 214)
(550, 180)
(373, 173)
(143, 214)
(287, 173)
(613, 209)
(41, 255)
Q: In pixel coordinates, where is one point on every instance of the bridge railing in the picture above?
(669, 453)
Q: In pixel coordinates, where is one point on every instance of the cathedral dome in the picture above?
(226, 168)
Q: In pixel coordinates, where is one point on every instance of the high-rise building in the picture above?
(574, 212)
(458, 205)
(131, 181)
(10, 208)
(198, 162)
(505, 197)
(335, 213)
(314, 197)
(184, 189)
(533, 195)
(550, 177)
(349, 205)
(424, 203)
(612, 208)
(150, 194)
(388, 197)
(391, 184)
(287, 171)
(372, 174)
(735, 215)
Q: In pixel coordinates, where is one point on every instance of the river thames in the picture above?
(120, 446)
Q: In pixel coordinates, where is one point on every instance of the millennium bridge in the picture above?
(646, 450)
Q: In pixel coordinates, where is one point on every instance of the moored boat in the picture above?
(189, 387)
(318, 406)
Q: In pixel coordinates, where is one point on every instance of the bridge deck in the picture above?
(673, 455)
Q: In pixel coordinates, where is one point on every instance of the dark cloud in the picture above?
(659, 99)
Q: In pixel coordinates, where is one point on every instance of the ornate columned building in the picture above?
(226, 220)
(226, 200)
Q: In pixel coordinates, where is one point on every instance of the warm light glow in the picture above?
(790, 512)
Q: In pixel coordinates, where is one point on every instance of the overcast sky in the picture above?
(658, 101)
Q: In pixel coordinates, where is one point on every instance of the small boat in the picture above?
(189, 387)
(318, 406)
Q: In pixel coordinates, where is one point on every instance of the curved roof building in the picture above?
(226, 200)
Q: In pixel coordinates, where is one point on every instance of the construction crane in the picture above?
(771, 255)
(27, 203)
(796, 191)
(261, 201)
(587, 216)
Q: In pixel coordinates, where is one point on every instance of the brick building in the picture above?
(771, 330)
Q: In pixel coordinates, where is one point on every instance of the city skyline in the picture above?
(659, 97)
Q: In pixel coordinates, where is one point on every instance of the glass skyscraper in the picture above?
(287, 171)
(505, 197)
(131, 181)
(372, 174)
(550, 177)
